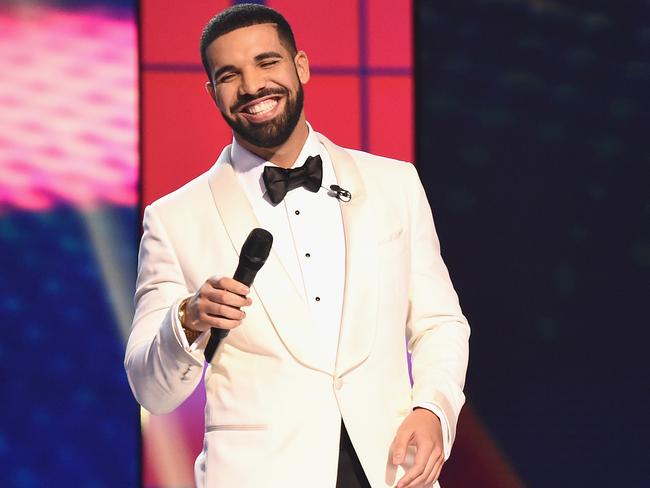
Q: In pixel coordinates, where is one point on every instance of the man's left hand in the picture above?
(420, 429)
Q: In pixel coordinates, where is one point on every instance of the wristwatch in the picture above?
(191, 335)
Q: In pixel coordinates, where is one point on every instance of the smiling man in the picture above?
(310, 387)
(264, 105)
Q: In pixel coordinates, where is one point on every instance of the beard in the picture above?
(271, 133)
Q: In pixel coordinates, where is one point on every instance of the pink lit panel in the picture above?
(327, 31)
(391, 116)
(184, 132)
(390, 33)
(171, 29)
(68, 109)
(332, 107)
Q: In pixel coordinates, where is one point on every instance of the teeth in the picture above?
(262, 107)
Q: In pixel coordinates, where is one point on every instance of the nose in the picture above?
(252, 81)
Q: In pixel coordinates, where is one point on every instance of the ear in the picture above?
(209, 87)
(302, 66)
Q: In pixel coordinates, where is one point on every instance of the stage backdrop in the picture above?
(68, 231)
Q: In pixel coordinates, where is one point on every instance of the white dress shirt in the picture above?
(308, 239)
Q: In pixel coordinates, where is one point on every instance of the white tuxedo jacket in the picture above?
(274, 406)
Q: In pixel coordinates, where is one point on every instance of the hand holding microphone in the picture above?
(217, 304)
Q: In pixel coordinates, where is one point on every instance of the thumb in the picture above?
(400, 443)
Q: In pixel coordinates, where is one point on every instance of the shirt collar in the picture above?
(249, 167)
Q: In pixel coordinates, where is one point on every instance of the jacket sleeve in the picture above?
(161, 372)
(437, 331)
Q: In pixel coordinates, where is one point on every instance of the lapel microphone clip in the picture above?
(340, 193)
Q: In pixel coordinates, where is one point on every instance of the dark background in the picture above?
(532, 130)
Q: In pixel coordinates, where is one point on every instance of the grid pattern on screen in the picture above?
(360, 94)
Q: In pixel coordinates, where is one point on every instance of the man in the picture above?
(311, 386)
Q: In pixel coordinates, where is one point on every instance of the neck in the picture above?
(286, 153)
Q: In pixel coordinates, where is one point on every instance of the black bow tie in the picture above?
(279, 181)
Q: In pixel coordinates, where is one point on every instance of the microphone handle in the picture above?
(244, 275)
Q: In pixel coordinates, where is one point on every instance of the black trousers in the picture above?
(350, 472)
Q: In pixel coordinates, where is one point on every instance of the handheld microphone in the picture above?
(253, 255)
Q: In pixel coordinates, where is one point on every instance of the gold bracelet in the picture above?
(191, 335)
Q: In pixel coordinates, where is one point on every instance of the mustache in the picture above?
(264, 92)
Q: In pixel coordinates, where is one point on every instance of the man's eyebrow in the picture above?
(266, 55)
(222, 70)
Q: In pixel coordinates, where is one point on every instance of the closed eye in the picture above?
(269, 63)
(226, 78)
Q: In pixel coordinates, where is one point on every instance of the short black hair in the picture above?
(244, 15)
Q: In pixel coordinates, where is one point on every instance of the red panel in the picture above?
(390, 34)
(391, 116)
(326, 31)
(171, 29)
(183, 132)
(332, 107)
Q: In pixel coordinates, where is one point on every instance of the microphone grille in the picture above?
(257, 247)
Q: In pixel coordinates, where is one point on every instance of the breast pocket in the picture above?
(393, 247)
(390, 236)
(394, 266)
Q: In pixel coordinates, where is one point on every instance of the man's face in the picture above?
(257, 84)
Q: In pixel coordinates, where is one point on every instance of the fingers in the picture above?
(218, 304)
(417, 430)
(205, 314)
(225, 297)
(431, 471)
(400, 443)
(418, 472)
(229, 284)
(209, 322)
(435, 472)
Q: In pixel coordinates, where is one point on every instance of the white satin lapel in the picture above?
(277, 293)
(359, 318)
